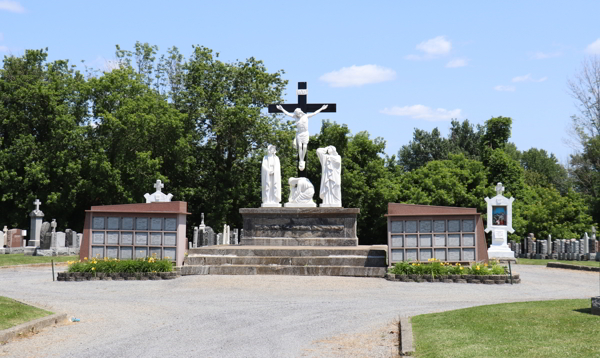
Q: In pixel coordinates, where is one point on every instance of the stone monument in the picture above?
(331, 177)
(35, 224)
(271, 179)
(158, 195)
(499, 222)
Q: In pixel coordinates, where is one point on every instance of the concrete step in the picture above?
(299, 241)
(289, 251)
(347, 260)
(284, 270)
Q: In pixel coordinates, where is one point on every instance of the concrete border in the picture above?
(405, 338)
(43, 264)
(32, 326)
(572, 267)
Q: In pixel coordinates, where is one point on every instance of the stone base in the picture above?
(299, 223)
(300, 205)
(330, 205)
(270, 205)
(500, 252)
(63, 251)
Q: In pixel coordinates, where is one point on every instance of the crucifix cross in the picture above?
(37, 204)
(302, 93)
(159, 185)
(499, 189)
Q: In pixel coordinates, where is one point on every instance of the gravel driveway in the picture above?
(253, 316)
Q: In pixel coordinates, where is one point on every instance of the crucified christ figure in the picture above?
(301, 140)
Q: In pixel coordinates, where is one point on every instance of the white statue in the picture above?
(271, 179)
(331, 177)
(158, 195)
(301, 140)
(301, 193)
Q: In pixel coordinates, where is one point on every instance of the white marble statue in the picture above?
(158, 195)
(331, 177)
(301, 140)
(301, 193)
(271, 179)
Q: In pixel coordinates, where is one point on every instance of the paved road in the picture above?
(253, 316)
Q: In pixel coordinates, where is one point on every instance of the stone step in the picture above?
(299, 241)
(347, 260)
(284, 270)
(289, 251)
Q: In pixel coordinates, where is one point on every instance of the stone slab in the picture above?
(596, 305)
(263, 241)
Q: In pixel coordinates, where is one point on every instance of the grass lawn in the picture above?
(544, 262)
(13, 313)
(561, 328)
(20, 259)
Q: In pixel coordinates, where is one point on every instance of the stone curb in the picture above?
(32, 326)
(572, 267)
(141, 276)
(476, 279)
(35, 265)
(405, 338)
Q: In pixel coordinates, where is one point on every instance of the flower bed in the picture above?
(114, 269)
(436, 271)
(117, 276)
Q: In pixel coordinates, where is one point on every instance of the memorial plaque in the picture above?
(112, 237)
(170, 239)
(468, 226)
(126, 253)
(468, 240)
(97, 252)
(440, 254)
(397, 226)
(453, 225)
(155, 238)
(397, 241)
(112, 252)
(425, 241)
(126, 238)
(454, 240)
(425, 254)
(440, 240)
(98, 223)
(156, 224)
(411, 255)
(397, 255)
(141, 223)
(425, 226)
(113, 223)
(170, 254)
(141, 252)
(439, 225)
(453, 254)
(156, 252)
(141, 238)
(97, 237)
(411, 241)
(170, 224)
(410, 226)
(127, 223)
(468, 254)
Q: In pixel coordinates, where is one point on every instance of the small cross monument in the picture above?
(499, 222)
(158, 195)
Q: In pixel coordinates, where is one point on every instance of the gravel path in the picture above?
(253, 316)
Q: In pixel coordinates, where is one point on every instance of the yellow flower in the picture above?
(485, 265)
(461, 268)
(477, 268)
(85, 259)
(93, 269)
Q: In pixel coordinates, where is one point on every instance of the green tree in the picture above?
(424, 148)
(543, 169)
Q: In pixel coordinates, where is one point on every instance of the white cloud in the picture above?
(593, 48)
(457, 62)
(419, 111)
(528, 78)
(435, 46)
(543, 55)
(12, 6)
(358, 76)
(505, 88)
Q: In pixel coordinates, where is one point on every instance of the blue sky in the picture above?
(390, 66)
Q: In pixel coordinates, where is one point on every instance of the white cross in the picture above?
(159, 185)
(37, 204)
(499, 189)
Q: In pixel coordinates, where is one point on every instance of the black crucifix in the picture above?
(300, 112)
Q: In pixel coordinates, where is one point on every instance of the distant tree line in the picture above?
(75, 139)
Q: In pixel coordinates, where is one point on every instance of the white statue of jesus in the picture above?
(271, 179)
(331, 177)
(301, 140)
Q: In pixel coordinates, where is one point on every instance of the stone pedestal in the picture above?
(300, 226)
(499, 248)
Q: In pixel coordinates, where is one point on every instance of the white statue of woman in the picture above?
(301, 140)
(331, 177)
(271, 179)
(301, 193)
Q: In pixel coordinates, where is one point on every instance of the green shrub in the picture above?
(436, 268)
(106, 265)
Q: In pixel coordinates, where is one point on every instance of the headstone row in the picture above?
(206, 236)
(585, 248)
